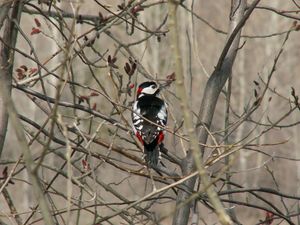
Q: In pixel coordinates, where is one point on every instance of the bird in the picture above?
(149, 117)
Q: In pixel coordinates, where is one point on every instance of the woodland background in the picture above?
(89, 56)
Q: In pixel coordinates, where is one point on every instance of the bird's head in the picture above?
(147, 88)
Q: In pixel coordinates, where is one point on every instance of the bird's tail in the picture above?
(152, 156)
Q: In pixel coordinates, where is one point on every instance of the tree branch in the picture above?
(10, 36)
(212, 90)
(188, 123)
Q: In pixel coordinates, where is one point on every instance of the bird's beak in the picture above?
(157, 91)
(162, 86)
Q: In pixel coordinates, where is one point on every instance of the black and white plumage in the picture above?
(149, 117)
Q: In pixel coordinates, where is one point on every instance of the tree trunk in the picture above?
(7, 57)
(212, 90)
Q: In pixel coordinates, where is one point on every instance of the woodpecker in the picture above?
(149, 116)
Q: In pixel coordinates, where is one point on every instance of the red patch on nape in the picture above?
(161, 137)
(138, 135)
(139, 91)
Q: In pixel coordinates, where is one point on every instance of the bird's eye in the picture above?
(153, 86)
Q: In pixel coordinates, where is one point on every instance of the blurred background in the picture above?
(105, 177)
